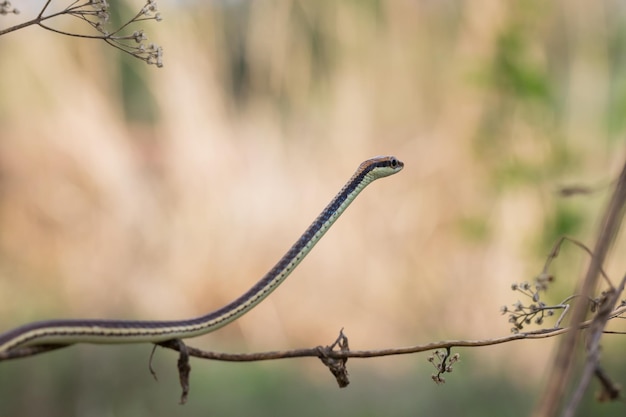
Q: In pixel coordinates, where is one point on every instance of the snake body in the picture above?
(102, 331)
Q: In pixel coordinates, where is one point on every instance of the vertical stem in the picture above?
(564, 361)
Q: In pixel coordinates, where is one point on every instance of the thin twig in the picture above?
(74, 35)
(554, 253)
(610, 390)
(45, 6)
(36, 21)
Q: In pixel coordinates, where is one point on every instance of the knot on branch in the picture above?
(336, 365)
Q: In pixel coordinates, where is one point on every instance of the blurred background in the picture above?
(132, 192)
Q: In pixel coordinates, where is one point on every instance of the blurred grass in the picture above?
(132, 192)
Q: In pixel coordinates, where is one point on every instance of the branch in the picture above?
(314, 352)
(96, 14)
(36, 21)
(336, 355)
(336, 359)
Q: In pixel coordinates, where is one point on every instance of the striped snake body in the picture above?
(67, 332)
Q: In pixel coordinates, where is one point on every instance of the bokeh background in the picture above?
(128, 191)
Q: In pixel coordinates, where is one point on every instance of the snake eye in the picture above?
(393, 162)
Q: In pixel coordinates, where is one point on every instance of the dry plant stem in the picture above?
(150, 368)
(556, 249)
(184, 369)
(80, 9)
(107, 38)
(562, 368)
(526, 313)
(339, 354)
(41, 18)
(36, 21)
(592, 366)
(610, 390)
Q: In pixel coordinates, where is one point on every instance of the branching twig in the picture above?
(442, 360)
(556, 249)
(343, 353)
(521, 315)
(96, 14)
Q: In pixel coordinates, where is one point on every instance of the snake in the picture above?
(55, 333)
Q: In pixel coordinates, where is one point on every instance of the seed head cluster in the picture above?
(7, 8)
(442, 361)
(97, 15)
(521, 314)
